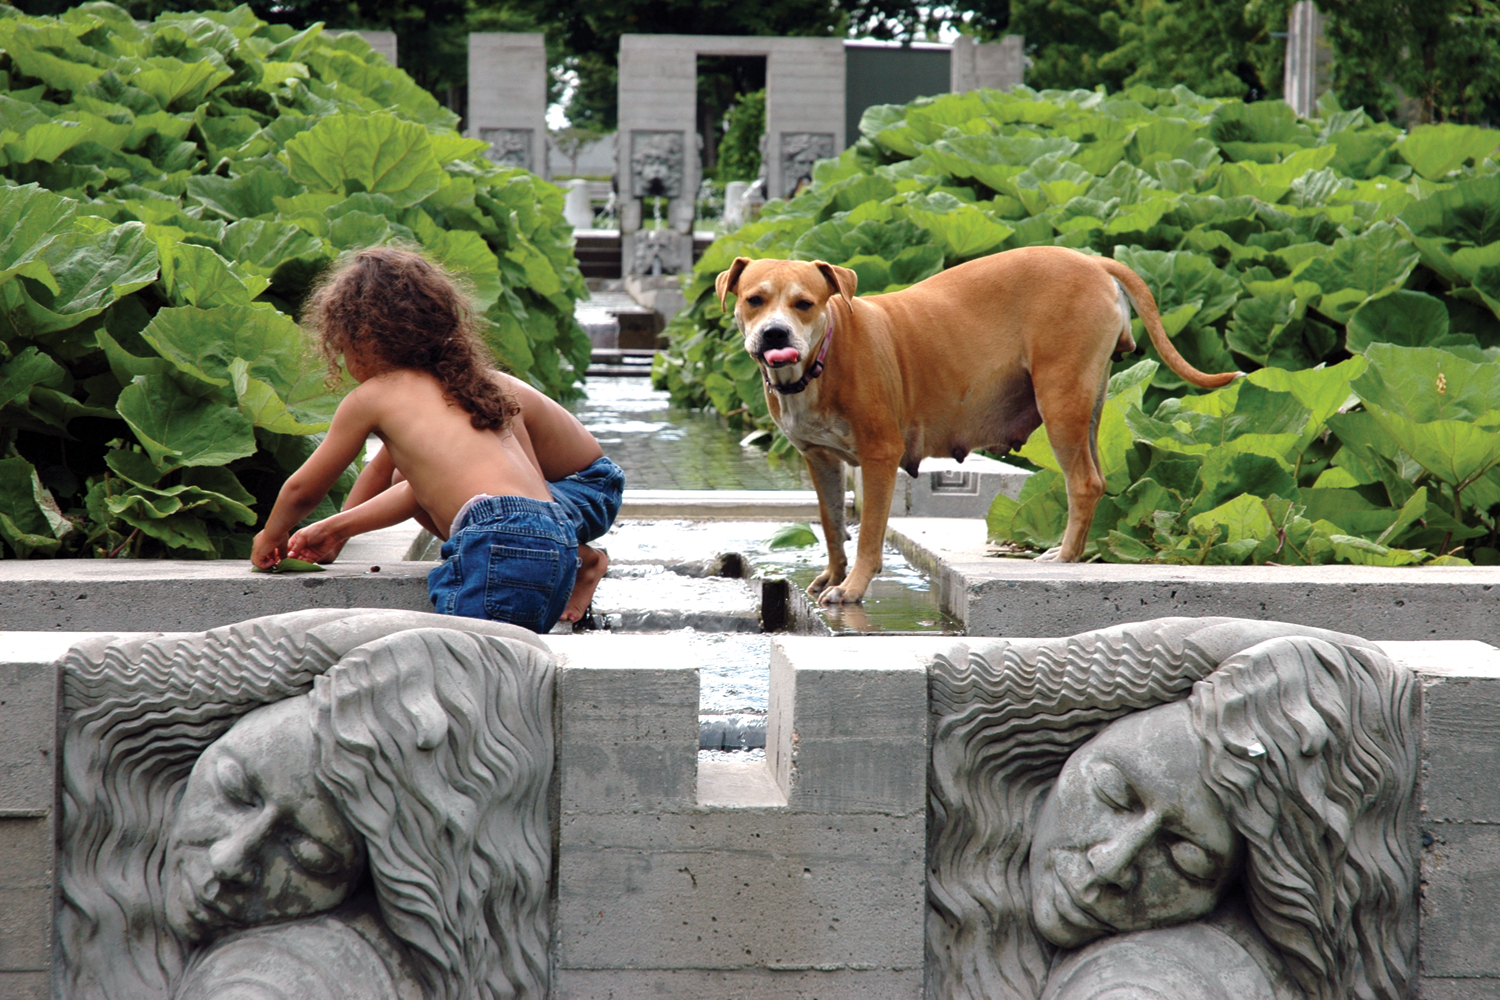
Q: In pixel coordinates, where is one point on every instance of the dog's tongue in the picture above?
(781, 355)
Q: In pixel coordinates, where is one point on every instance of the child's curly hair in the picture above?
(399, 309)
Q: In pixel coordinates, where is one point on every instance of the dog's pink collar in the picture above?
(813, 371)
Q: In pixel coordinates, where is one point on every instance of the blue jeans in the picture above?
(513, 559)
(591, 497)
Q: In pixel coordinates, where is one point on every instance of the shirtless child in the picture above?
(516, 500)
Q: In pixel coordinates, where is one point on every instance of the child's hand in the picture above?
(316, 543)
(267, 550)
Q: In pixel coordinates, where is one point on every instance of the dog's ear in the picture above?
(727, 281)
(840, 279)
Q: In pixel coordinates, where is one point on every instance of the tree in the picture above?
(1443, 55)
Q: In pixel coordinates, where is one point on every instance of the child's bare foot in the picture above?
(591, 566)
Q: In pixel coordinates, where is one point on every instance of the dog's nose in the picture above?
(773, 337)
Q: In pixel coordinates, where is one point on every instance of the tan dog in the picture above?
(975, 357)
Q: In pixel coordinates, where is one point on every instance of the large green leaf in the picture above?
(1425, 384)
(1469, 211)
(377, 153)
(1179, 277)
(205, 343)
(31, 218)
(1359, 268)
(178, 429)
(196, 275)
(245, 196)
(1410, 319)
(27, 369)
(90, 271)
(24, 522)
(1434, 150)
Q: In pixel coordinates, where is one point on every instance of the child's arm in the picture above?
(306, 488)
(322, 541)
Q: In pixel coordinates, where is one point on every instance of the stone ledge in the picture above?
(1009, 597)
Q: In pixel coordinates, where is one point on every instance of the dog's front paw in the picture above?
(1053, 554)
(824, 580)
(841, 595)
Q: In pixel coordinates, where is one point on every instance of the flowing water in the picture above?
(663, 447)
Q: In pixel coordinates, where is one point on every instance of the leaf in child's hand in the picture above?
(794, 536)
(291, 566)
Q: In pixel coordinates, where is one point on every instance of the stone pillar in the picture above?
(805, 94)
(508, 97)
(658, 147)
(383, 42)
(1307, 58)
(988, 65)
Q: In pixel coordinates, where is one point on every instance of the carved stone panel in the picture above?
(322, 803)
(657, 251)
(658, 164)
(799, 151)
(510, 147)
(1184, 808)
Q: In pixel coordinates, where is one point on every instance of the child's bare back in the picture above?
(468, 452)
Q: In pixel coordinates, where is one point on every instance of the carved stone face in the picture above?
(1130, 837)
(256, 838)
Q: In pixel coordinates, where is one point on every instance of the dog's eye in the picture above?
(804, 305)
(755, 302)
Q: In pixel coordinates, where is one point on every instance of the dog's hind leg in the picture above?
(827, 473)
(1071, 415)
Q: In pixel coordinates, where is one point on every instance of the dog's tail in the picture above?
(1145, 305)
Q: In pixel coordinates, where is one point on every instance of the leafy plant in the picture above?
(169, 193)
(1287, 247)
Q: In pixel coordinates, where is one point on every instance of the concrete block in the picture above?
(1460, 899)
(25, 930)
(741, 889)
(1444, 988)
(28, 853)
(175, 595)
(627, 722)
(731, 784)
(28, 735)
(26, 985)
(990, 65)
(739, 984)
(944, 487)
(1461, 749)
(847, 727)
(1010, 597)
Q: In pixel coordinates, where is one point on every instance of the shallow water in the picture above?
(662, 447)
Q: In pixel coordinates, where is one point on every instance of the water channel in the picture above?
(662, 447)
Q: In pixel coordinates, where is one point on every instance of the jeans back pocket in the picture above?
(520, 584)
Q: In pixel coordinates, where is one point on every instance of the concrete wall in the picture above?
(658, 92)
(799, 876)
(988, 65)
(508, 96)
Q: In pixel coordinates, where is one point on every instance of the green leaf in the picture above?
(291, 566)
(1455, 451)
(1358, 268)
(1366, 553)
(28, 368)
(1410, 319)
(1425, 384)
(25, 524)
(261, 405)
(173, 83)
(196, 275)
(90, 272)
(1469, 212)
(263, 247)
(793, 536)
(246, 196)
(1241, 518)
(178, 429)
(377, 153)
(30, 219)
(1180, 277)
(1434, 150)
